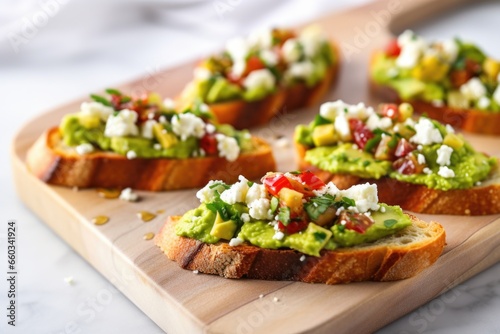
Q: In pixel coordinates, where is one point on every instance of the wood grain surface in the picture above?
(180, 301)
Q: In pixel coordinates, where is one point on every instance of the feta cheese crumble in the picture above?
(260, 209)
(365, 196)
(301, 70)
(412, 47)
(235, 242)
(237, 192)
(210, 128)
(237, 48)
(199, 73)
(278, 235)
(473, 89)
(483, 102)
(374, 122)
(262, 78)
(426, 133)
(147, 128)
(450, 50)
(131, 155)
(187, 125)
(207, 193)
(122, 124)
(169, 103)
(268, 57)
(128, 195)
(341, 126)
(446, 172)
(330, 110)
(84, 148)
(96, 109)
(443, 155)
(291, 50)
(245, 217)
(69, 280)
(496, 94)
(256, 192)
(228, 147)
(421, 159)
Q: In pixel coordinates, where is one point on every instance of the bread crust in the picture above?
(380, 261)
(479, 200)
(56, 164)
(470, 120)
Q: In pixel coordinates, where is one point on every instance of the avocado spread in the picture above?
(148, 128)
(450, 72)
(256, 67)
(356, 140)
(291, 210)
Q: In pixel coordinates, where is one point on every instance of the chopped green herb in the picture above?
(220, 207)
(371, 143)
(366, 163)
(274, 204)
(112, 91)
(320, 120)
(393, 142)
(125, 99)
(318, 205)
(101, 99)
(390, 222)
(250, 183)
(284, 215)
(219, 184)
(348, 202)
(380, 132)
(319, 236)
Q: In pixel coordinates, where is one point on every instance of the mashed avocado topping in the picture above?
(450, 72)
(290, 210)
(148, 127)
(356, 140)
(254, 67)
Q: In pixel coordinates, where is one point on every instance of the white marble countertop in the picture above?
(84, 46)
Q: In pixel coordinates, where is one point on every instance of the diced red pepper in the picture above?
(404, 148)
(311, 180)
(209, 144)
(293, 226)
(354, 221)
(392, 49)
(360, 132)
(390, 110)
(274, 183)
(408, 165)
(253, 63)
(459, 77)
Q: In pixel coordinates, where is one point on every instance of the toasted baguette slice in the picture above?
(242, 114)
(57, 164)
(396, 257)
(479, 200)
(470, 120)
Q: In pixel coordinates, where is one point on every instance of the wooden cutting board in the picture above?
(180, 301)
